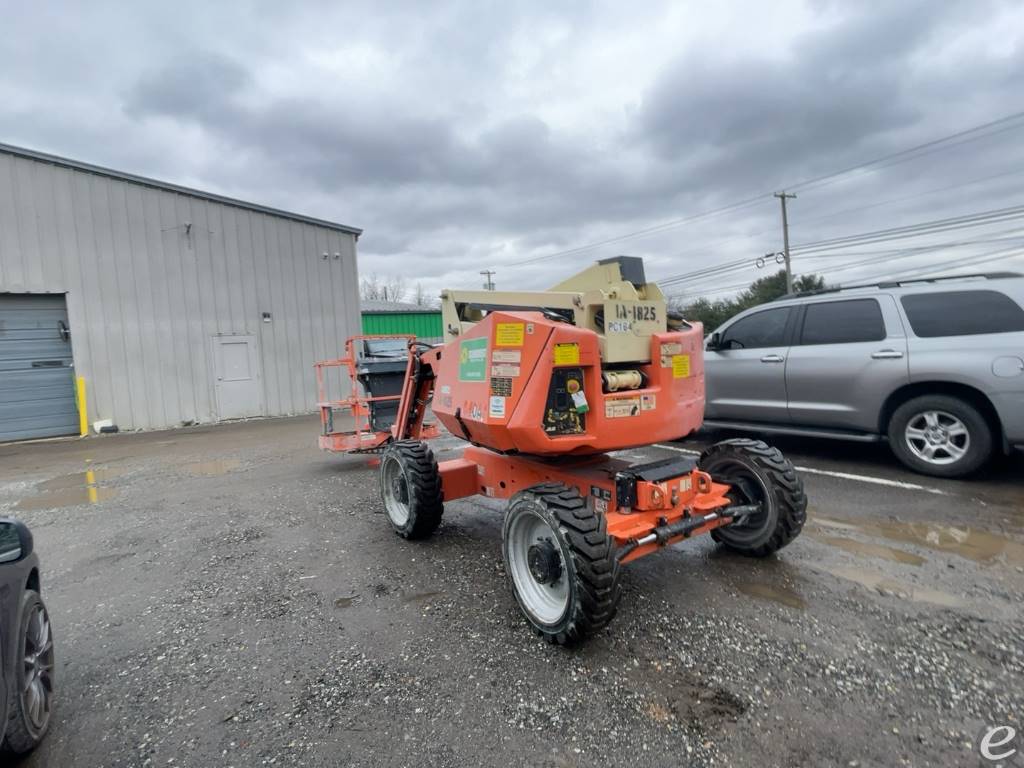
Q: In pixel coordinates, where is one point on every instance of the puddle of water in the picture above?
(782, 595)
(58, 493)
(214, 467)
(969, 543)
(883, 585)
(79, 479)
(870, 550)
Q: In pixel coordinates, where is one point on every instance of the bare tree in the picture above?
(369, 287)
(387, 288)
(421, 298)
(394, 288)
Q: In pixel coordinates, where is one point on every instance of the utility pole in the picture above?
(785, 239)
(489, 285)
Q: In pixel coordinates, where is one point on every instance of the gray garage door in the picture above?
(37, 385)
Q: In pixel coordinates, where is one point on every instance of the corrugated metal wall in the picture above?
(424, 325)
(146, 294)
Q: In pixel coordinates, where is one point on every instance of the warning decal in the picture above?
(567, 354)
(680, 366)
(510, 371)
(622, 407)
(506, 356)
(508, 335)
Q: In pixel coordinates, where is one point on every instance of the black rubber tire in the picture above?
(22, 735)
(425, 503)
(981, 439)
(757, 472)
(587, 555)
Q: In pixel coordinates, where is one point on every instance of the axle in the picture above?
(663, 534)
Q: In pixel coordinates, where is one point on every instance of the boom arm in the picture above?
(611, 298)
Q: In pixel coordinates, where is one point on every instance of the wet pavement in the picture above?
(230, 596)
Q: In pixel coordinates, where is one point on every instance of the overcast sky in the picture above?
(471, 135)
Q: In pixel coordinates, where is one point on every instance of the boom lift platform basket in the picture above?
(375, 367)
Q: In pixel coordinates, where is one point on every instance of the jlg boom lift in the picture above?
(545, 387)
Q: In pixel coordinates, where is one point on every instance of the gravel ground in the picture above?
(236, 598)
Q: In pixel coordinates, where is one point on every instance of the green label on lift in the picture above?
(473, 360)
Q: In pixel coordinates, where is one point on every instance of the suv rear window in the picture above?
(843, 322)
(962, 313)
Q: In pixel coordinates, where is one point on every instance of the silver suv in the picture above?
(936, 366)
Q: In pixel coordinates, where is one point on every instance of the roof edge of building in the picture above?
(77, 165)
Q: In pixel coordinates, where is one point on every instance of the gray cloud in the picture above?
(462, 135)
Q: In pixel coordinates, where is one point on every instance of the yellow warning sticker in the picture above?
(680, 366)
(567, 354)
(508, 335)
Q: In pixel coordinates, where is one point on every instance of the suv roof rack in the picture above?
(898, 283)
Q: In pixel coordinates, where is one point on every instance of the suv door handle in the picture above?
(773, 359)
(886, 354)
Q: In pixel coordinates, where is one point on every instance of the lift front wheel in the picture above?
(561, 563)
(759, 475)
(410, 487)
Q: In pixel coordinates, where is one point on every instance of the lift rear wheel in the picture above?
(561, 563)
(758, 474)
(410, 487)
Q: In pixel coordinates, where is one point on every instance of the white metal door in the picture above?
(236, 369)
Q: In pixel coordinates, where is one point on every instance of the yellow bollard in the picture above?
(83, 414)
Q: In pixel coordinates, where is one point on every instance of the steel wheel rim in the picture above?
(746, 488)
(937, 437)
(37, 686)
(395, 489)
(546, 603)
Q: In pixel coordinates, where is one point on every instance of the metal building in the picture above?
(387, 317)
(170, 305)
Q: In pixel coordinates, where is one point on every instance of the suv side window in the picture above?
(962, 313)
(761, 329)
(843, 322)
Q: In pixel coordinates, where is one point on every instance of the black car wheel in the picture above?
(31, 699)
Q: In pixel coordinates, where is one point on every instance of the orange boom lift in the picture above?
(545, 387)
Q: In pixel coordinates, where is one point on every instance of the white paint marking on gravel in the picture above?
(830, 473)
(677, 450)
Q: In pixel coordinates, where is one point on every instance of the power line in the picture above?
(979, 258)
(904, 198)
(982, 258)
(650, 230)
(941, 142)
(930, 146)
(836, 246)
(916, 230)
(882, 257)
(916, 248)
